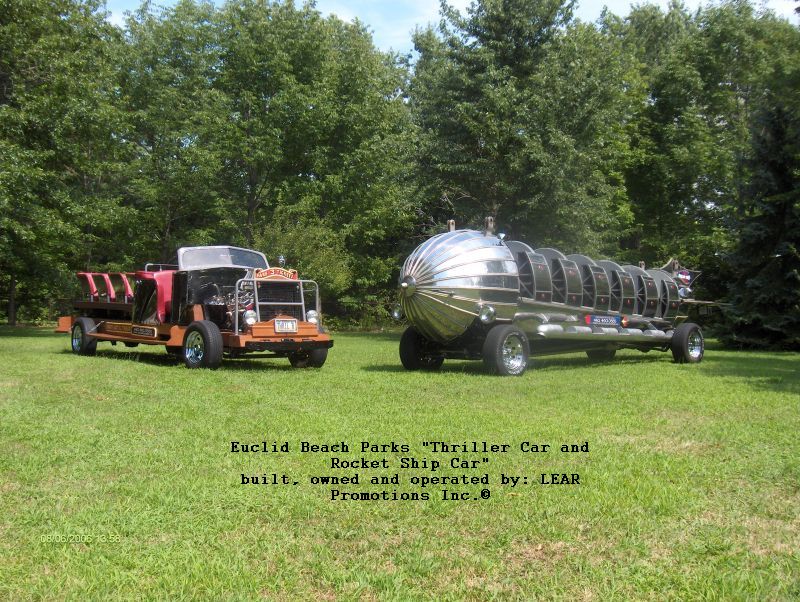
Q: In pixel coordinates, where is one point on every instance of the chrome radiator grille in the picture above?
(271, 296)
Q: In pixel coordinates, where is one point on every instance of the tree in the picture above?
(520, 113)
(672, 176)
(174, 114)
(315, 142)
(57, 154)
(766, 294)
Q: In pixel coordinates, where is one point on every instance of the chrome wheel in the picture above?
(77, 337)
(695, 345)
(513, 354)
(687, 344)
(505, 350)
(194, 347)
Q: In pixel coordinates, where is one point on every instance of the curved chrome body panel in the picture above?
(444, 282)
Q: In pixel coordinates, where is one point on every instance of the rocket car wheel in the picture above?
(309, 359)
(416, 353)
(80, 341)
(506, 350)
(202, 345)
(687, 344)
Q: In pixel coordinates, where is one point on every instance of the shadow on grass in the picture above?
(570, 363)
(779, 372)
(167, 361)
(559, 363)
(152, 359)
(456, 366)
(280, 364)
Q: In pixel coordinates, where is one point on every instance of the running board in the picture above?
(602, 333)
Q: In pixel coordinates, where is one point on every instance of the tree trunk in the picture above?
(252, 207)
(12, 302)
(251, 218)
(166, 241)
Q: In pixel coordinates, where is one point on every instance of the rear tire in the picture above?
(308, 359)
(601, 355)
(416, 352)
(80, 341)
(506, 350)
(202, 345)
(687, 344)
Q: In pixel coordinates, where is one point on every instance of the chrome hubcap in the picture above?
(194, 347)
(77, 335)
(695, 345)
(513, 356)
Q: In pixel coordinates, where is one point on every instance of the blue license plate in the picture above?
(603, 320)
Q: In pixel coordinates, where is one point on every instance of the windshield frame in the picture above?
(221, 256)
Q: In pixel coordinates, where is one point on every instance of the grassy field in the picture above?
(690, 489)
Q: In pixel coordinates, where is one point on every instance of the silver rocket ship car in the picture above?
(470, 294)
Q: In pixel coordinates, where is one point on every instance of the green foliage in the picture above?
(314, 249)
(199, 125)
(691, 164)
(666, 134)
(766, 292)
(519, 111)
(58, 196)
(166, 79)
(315, 142)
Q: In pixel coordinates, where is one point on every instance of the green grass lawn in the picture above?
(690, 490)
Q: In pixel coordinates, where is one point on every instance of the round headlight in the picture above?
(486, 314)
(312, 317)
(250, 317)
(397, 312)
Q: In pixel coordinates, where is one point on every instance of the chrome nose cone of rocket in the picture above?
(446, 281)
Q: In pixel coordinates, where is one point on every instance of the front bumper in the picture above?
(287, 346)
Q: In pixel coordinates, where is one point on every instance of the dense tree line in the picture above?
(664, 133)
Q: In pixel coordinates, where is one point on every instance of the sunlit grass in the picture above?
(691, 488)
